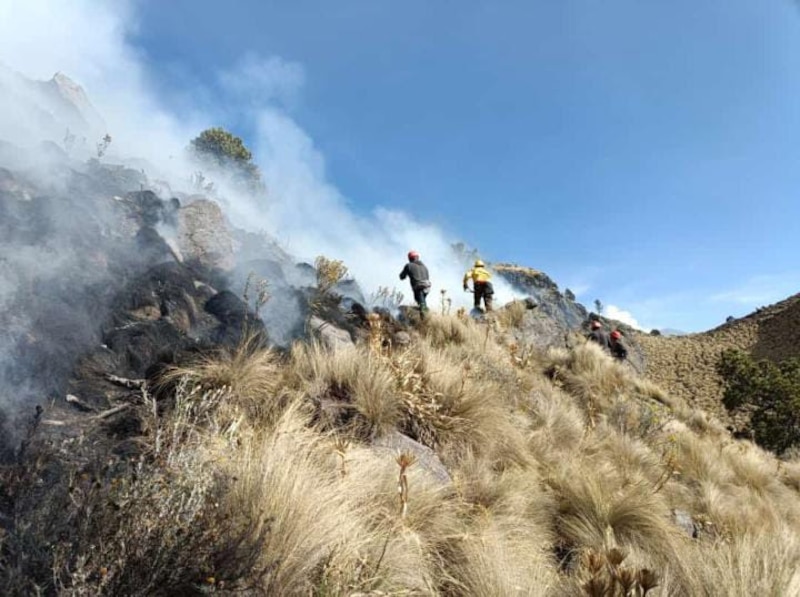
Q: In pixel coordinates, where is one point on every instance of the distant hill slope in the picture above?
(685, 365)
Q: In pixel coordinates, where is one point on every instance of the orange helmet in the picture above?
(412, 255)
(616, 334)
(596, 325)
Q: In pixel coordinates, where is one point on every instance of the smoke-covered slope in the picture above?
(57, 109)
(164, 435)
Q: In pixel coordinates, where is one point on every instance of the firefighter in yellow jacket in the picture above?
(481, 286)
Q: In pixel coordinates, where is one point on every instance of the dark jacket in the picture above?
(601, 337)
(417, 274)
(619, 350)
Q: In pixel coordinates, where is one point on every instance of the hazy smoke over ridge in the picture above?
(71, 283)
(86, 39)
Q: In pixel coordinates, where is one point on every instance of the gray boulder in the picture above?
(394, 442)
(204, 235)
(332, 337)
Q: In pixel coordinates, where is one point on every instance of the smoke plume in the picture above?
(50, 127)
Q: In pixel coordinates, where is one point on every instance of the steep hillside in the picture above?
(452, 464)
(187, 409)
(685, 365)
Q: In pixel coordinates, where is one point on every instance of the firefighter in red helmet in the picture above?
(598, 334)
(417, 274)
(618, 349)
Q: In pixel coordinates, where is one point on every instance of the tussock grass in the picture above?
(351, 388)
(597, 506)
(449, 408)
(699, 422)
(446, 330)
(487, 488)
(248, 375)
(512, 315)
(789, 474)
(753, 563)
(262, 478)
(285, 483)
(588, 374)
(558, 427)
(501, 556)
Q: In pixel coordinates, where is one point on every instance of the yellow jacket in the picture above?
(478, 274)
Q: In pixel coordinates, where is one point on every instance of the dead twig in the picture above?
(80, 404)
(111, 411)
(128, 383)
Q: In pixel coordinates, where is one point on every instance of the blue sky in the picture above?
(642, 153)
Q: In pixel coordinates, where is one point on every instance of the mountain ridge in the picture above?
(686, 365)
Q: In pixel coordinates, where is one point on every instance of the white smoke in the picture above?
(614, 312)
(89, 41)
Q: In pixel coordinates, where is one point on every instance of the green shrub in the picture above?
(771, 390)
(221, 149)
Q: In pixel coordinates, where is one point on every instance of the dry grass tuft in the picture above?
(588, 374)
(564, 474)
(448, 408)
(512, 315)
(351, 389)
(754, 563)
(248, 376)
(445, 330)
(500, 556)
(558, 426)
(284, 480)
(597, 509)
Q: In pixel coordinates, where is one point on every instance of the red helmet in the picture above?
(596, 325)
(412, 255)
(616, 334)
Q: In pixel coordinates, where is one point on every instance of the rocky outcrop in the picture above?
(563, 310)
(331, 336)
(557, 317)
(204, 235)
(88, 282)
(539, 330)
(57, 110)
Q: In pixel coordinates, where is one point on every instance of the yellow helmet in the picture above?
(479, 263)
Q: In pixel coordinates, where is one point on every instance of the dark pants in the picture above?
(483, 290)
(420, 297)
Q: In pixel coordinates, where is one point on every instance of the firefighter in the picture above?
(481, 286)
(417, 274)
(599, 335)
(618, 349)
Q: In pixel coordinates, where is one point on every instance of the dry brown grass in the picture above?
(350, 388)
(446, 330)
(588, 374)
(597, 506)
(512, 315)
(248, 376)
(502, 555)
(558, 426)
(285, 483)
(265, 478)
(450, 408)
(754, 563)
